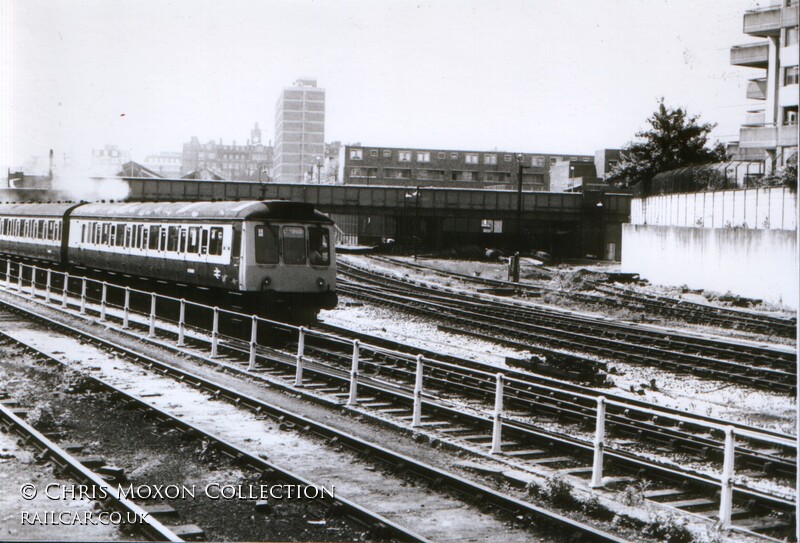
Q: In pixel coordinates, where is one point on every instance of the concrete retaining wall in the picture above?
(766, 208)
(748, 262)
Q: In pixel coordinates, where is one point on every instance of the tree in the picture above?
(674, 139)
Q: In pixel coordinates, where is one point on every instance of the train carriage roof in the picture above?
(17, 209)
(251, 209)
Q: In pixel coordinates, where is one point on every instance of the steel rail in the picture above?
(425, 471)
(48, 450)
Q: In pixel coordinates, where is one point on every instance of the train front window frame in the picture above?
(294, 245)
(319, 246)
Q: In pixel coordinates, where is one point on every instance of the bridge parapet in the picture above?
(427, 201)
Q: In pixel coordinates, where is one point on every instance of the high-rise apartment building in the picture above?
(770, 133)
(299, 132)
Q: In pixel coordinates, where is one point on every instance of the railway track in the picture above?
(396, 470)
(135, 516)
(765, 368)
(522, 441)
(613, 295)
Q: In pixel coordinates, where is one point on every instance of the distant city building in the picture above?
(249, 162)
(770, 133)
(365, 165)
(299, 133)
(109, 160)
(577, 176)
(37, 173)
(166, 164)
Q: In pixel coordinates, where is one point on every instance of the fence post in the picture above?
(83, 295)
(298, 373)
(49, 286)
(182, 324)
(416, 419)
(8, 273)
(253, 343)
(152, 331)
(34, 269)
(301, 341)
(351, 400)
(497, 427)
(19, 278)
(103, 297)
(65, 290)
(726, 482)
(599, 443)
(126, 309)
(215, 333)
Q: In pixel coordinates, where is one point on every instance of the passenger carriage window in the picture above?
(153, 237)
(128, 236)
(106, 233)
(172, 239)
(204, 242)
(266, 244)
(162, 244)
(294, 245)
(145, 236)
(120, 239)
(83, 233)
(182, 247)
(236, 248)
(194, 239)
(319, 246)
(215, 245)
(58, 231)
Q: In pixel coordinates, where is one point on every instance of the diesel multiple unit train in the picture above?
(267, 257)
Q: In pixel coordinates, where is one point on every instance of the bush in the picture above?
(559, 493)
(668, 529)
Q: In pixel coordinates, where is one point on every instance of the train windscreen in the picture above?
(294, 245)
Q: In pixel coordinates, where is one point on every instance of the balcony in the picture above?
(757, 89)
(787, 135)
(753, 55)
(755, 118)
(765, 137)
(769, 21)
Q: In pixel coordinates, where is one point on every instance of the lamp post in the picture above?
(520, 162)
(319, 170)
(417, 228)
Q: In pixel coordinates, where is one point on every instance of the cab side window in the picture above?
(266, 244)
(319, 246)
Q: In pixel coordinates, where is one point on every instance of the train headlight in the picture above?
(267, 282)
(321, 282)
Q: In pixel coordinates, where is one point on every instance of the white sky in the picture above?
(527, 75)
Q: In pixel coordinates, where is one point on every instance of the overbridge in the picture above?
(564, 224)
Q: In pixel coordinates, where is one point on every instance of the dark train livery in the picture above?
(271, 255)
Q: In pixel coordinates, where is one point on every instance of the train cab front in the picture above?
(289, 269)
